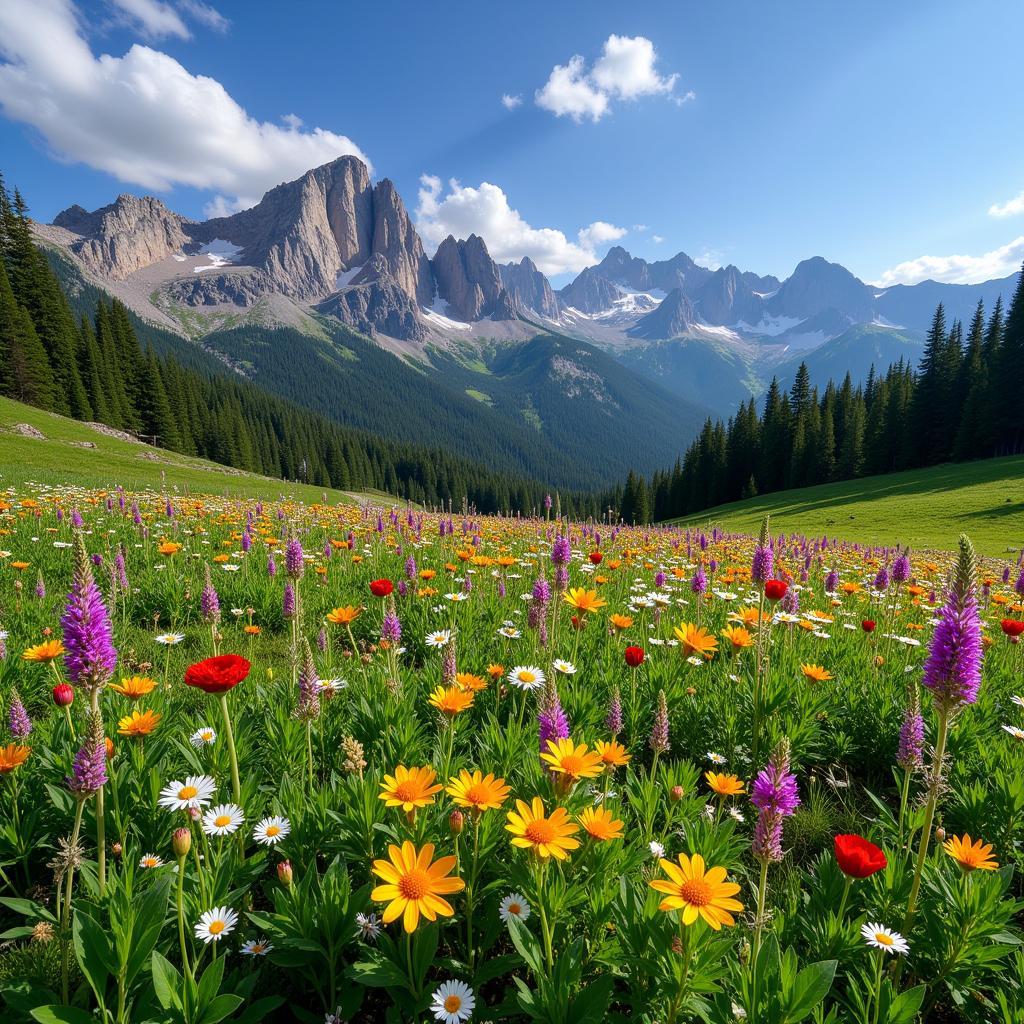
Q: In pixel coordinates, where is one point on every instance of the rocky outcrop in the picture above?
(469, 282)
(727, 299)
(236, 288)
(817, 285)
(673, 317)
(396, 240)
(129, 234)
(590, 292)
(529, 288)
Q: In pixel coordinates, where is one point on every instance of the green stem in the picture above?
(66, 916)
(236, 785)
(762, 889)
(842, 902)
(101, 840)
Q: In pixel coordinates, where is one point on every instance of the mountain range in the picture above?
(631, 352)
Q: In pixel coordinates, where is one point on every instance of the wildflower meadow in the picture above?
(276, 761)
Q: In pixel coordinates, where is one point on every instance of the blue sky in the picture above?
(879, 135)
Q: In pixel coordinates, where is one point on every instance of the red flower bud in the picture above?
(595, 557)
(284, 873)
(868, 625)
(456, 822)
(775, 590)
(676, 793)
(63, 695)
(634, 656)
(381, 588)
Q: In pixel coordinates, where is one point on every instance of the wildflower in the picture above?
(203, 737)
(613, 720)
(695, 640)
(195, 791)
(885, 939)
(368, 927)
(89, 769)
(571, 761)
(452, 1003)
(658, 741)
(270, 831)
(613, 754)
(634, 656)
(294, 559)
(868, 625)
(775, 795)
(724, 785)
(134, 687)
(1012, 627)
(815, 673)
(1017, 734)
(63, 695)
(12, 756)
(567, 668)
(439, 638)
(858, 857)
(223, 820)
(451, 701)
(409, 788)
(775, 590)
(353, 750)
(583, 600)
(215, 924)
(219, 674)
(697, 892)
(763, 561)
(344, 616)
(911, 745)
(514, 905)
(656, 848)
(150, 860)
(45, 652)
(971, 856)
(308, 707)
(17, 718)
(414, 884)
(381, 588)
(739, 637)
(620, 622)
(90, 656)
(600, 825)
(256, 947)
(169, 639)
(139, 723)
(544, 836)
(168, 548)
(526, 677)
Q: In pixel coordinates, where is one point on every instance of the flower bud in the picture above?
(456, 822)
(284, 873)
(676, 793)
(940, 834)
(181, 842)
(116, 849)
(879, 661)
(63, 695)
(108, 744)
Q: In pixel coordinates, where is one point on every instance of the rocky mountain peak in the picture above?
(673, 317)
(529, 288)
(468, 280)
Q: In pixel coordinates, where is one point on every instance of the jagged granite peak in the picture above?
(528, 287)
(673, 317)
(130, 233)
(622, 268)
(376, 303)
(468, 281)
(817, 285)
(762, 285)
(590, 292)
(395, 238)
(725, 298)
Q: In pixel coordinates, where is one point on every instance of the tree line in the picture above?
(964, 400)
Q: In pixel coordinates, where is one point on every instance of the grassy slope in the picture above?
(925, 508)
(56, 460)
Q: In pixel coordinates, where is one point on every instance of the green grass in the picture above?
(925, 508)
(60, 460)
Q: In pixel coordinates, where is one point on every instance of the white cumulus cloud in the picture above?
(510, 102)
(999, 262)
(1010, 208)
(625, 70)
(485, 211)
(143, 117)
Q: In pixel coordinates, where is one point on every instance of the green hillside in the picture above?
(925, 508)
(64, 456)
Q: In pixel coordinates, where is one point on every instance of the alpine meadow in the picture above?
(425, 598)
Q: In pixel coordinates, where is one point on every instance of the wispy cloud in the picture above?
(510, 102)
(1010, 208)
(999, 262)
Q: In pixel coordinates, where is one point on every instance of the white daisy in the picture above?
(204, 736)
(459, 595)
(715, 758)
(453, 1003)
(195, 791)
(736, 814)
(215, 924)
(883, 938)
(271, 830)
(1019, 701)
(527, 677)
(256, 947)
(170, 639)
(333, 685)
(223, 820)
(657, 850)
(150, 860)
(565, 667)
(509, 632)
(439, 638)
(1017, 734)
(514, 905)
(368, 927)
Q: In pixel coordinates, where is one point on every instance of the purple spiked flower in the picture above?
(308, 706)
(294, 559)
(699, 583)
(763, 563)
(209, 602)
(952, 670)
(901, 568)
(90, 656)
(776, 797)
(561, 550)
(882, 579)
(391, 628)
(613, 721)
(553, 724)
(17, 717)
(911, 748)
(658, 741)
(832, 582)
(288, 602)
(40, 587)
(89, 770)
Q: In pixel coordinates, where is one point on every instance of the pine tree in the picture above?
(1011, 376)
(24, 369)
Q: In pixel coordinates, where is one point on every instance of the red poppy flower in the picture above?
(868, 625)
(595, 557)
(217, 675)
(857, 857)
(1013, 627)
(634, 656)
(775, 590)
(63, 695)
(381, 588)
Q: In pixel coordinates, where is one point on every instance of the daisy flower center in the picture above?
(881, 937)
(273, 830)
(515, 909)
(527, 677)
(696, 892)
(540, 832)
(221, 820)
(571, 764)
(406, 791)
(453, 1004)
(187, 792)
(216, 927)
(477, 794)
(414, 885)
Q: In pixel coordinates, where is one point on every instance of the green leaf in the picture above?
(527, 944)
(905, 1006)
(167, 982)
(377, 974)
(27, 908)
(590, 1005)
(209, 983)
(149, 921)
(220, 1008)
(810, 987)
(62, 1015)
(259, 1010)
(92, 950)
